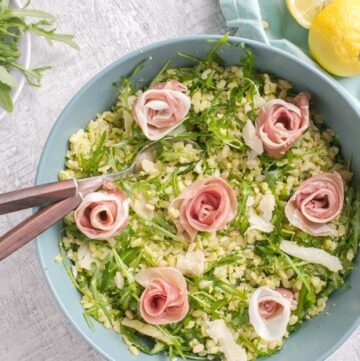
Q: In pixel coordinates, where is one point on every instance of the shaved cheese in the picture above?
(313, 255)
(141, 208)
(146, 329)
(148, 166)
(262, 222)
(259, 223)
(85, 259)
(250, 201)
(193, 262)
(219, 332)
(275, 327)
(267, 206)
(251, 139)
(119, 280)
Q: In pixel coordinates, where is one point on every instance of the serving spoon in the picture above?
(41, 195)
(60, 198)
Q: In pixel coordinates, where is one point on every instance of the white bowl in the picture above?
(24, 60)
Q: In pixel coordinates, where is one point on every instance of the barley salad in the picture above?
(216, 252)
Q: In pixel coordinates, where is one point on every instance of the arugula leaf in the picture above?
(99, 150)
(158, 77)
(13, 25)
(20, 13)
(141, 342)
(5, 97)
(247, 62)
(51, 35)
(6, 78)
(310, 294)
(227, 259)
(160, 229)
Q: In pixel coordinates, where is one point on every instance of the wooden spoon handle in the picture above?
(37, 196)
(36, 224)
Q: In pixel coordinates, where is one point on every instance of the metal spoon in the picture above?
(150, 152)
(39, 196)
(60, 198)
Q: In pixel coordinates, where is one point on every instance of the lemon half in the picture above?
(304, 11)
(334, 38)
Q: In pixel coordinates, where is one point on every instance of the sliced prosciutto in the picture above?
(172, 85)
(165, 298)
(318, 201)
(280, 124)
(161, 109)
(269, 312)
(207, 205)
(103, 215)
(269, 308)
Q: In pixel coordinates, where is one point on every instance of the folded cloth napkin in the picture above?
(270, 22)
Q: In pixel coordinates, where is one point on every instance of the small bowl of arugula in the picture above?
(16, 26)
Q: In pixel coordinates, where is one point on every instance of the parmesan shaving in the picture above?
(312, 255)
(119, 280)
(251, 139)
(259, 223)
(148, 166)
(262, 222)
(141, 208)
(85, 259)
(193, 262)
(267, 206)
(146, 329)
(219, 332)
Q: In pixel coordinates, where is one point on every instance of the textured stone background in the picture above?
(31, 325)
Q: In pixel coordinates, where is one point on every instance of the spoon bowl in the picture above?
(150, 152)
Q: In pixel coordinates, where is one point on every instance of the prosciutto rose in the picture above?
(161, 109)
(269, 307)
(318, 201)
(207, 205)
(269, 312)
(102, 215)
(165, 298)
(280, 124)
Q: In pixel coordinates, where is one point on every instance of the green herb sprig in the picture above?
(14, 23)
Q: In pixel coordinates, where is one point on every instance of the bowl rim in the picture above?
(25, 43)
(97, 76)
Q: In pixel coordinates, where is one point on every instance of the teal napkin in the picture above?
(270, 22)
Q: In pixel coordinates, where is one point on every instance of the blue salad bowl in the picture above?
(318, 337)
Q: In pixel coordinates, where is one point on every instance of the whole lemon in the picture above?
(334, 38)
